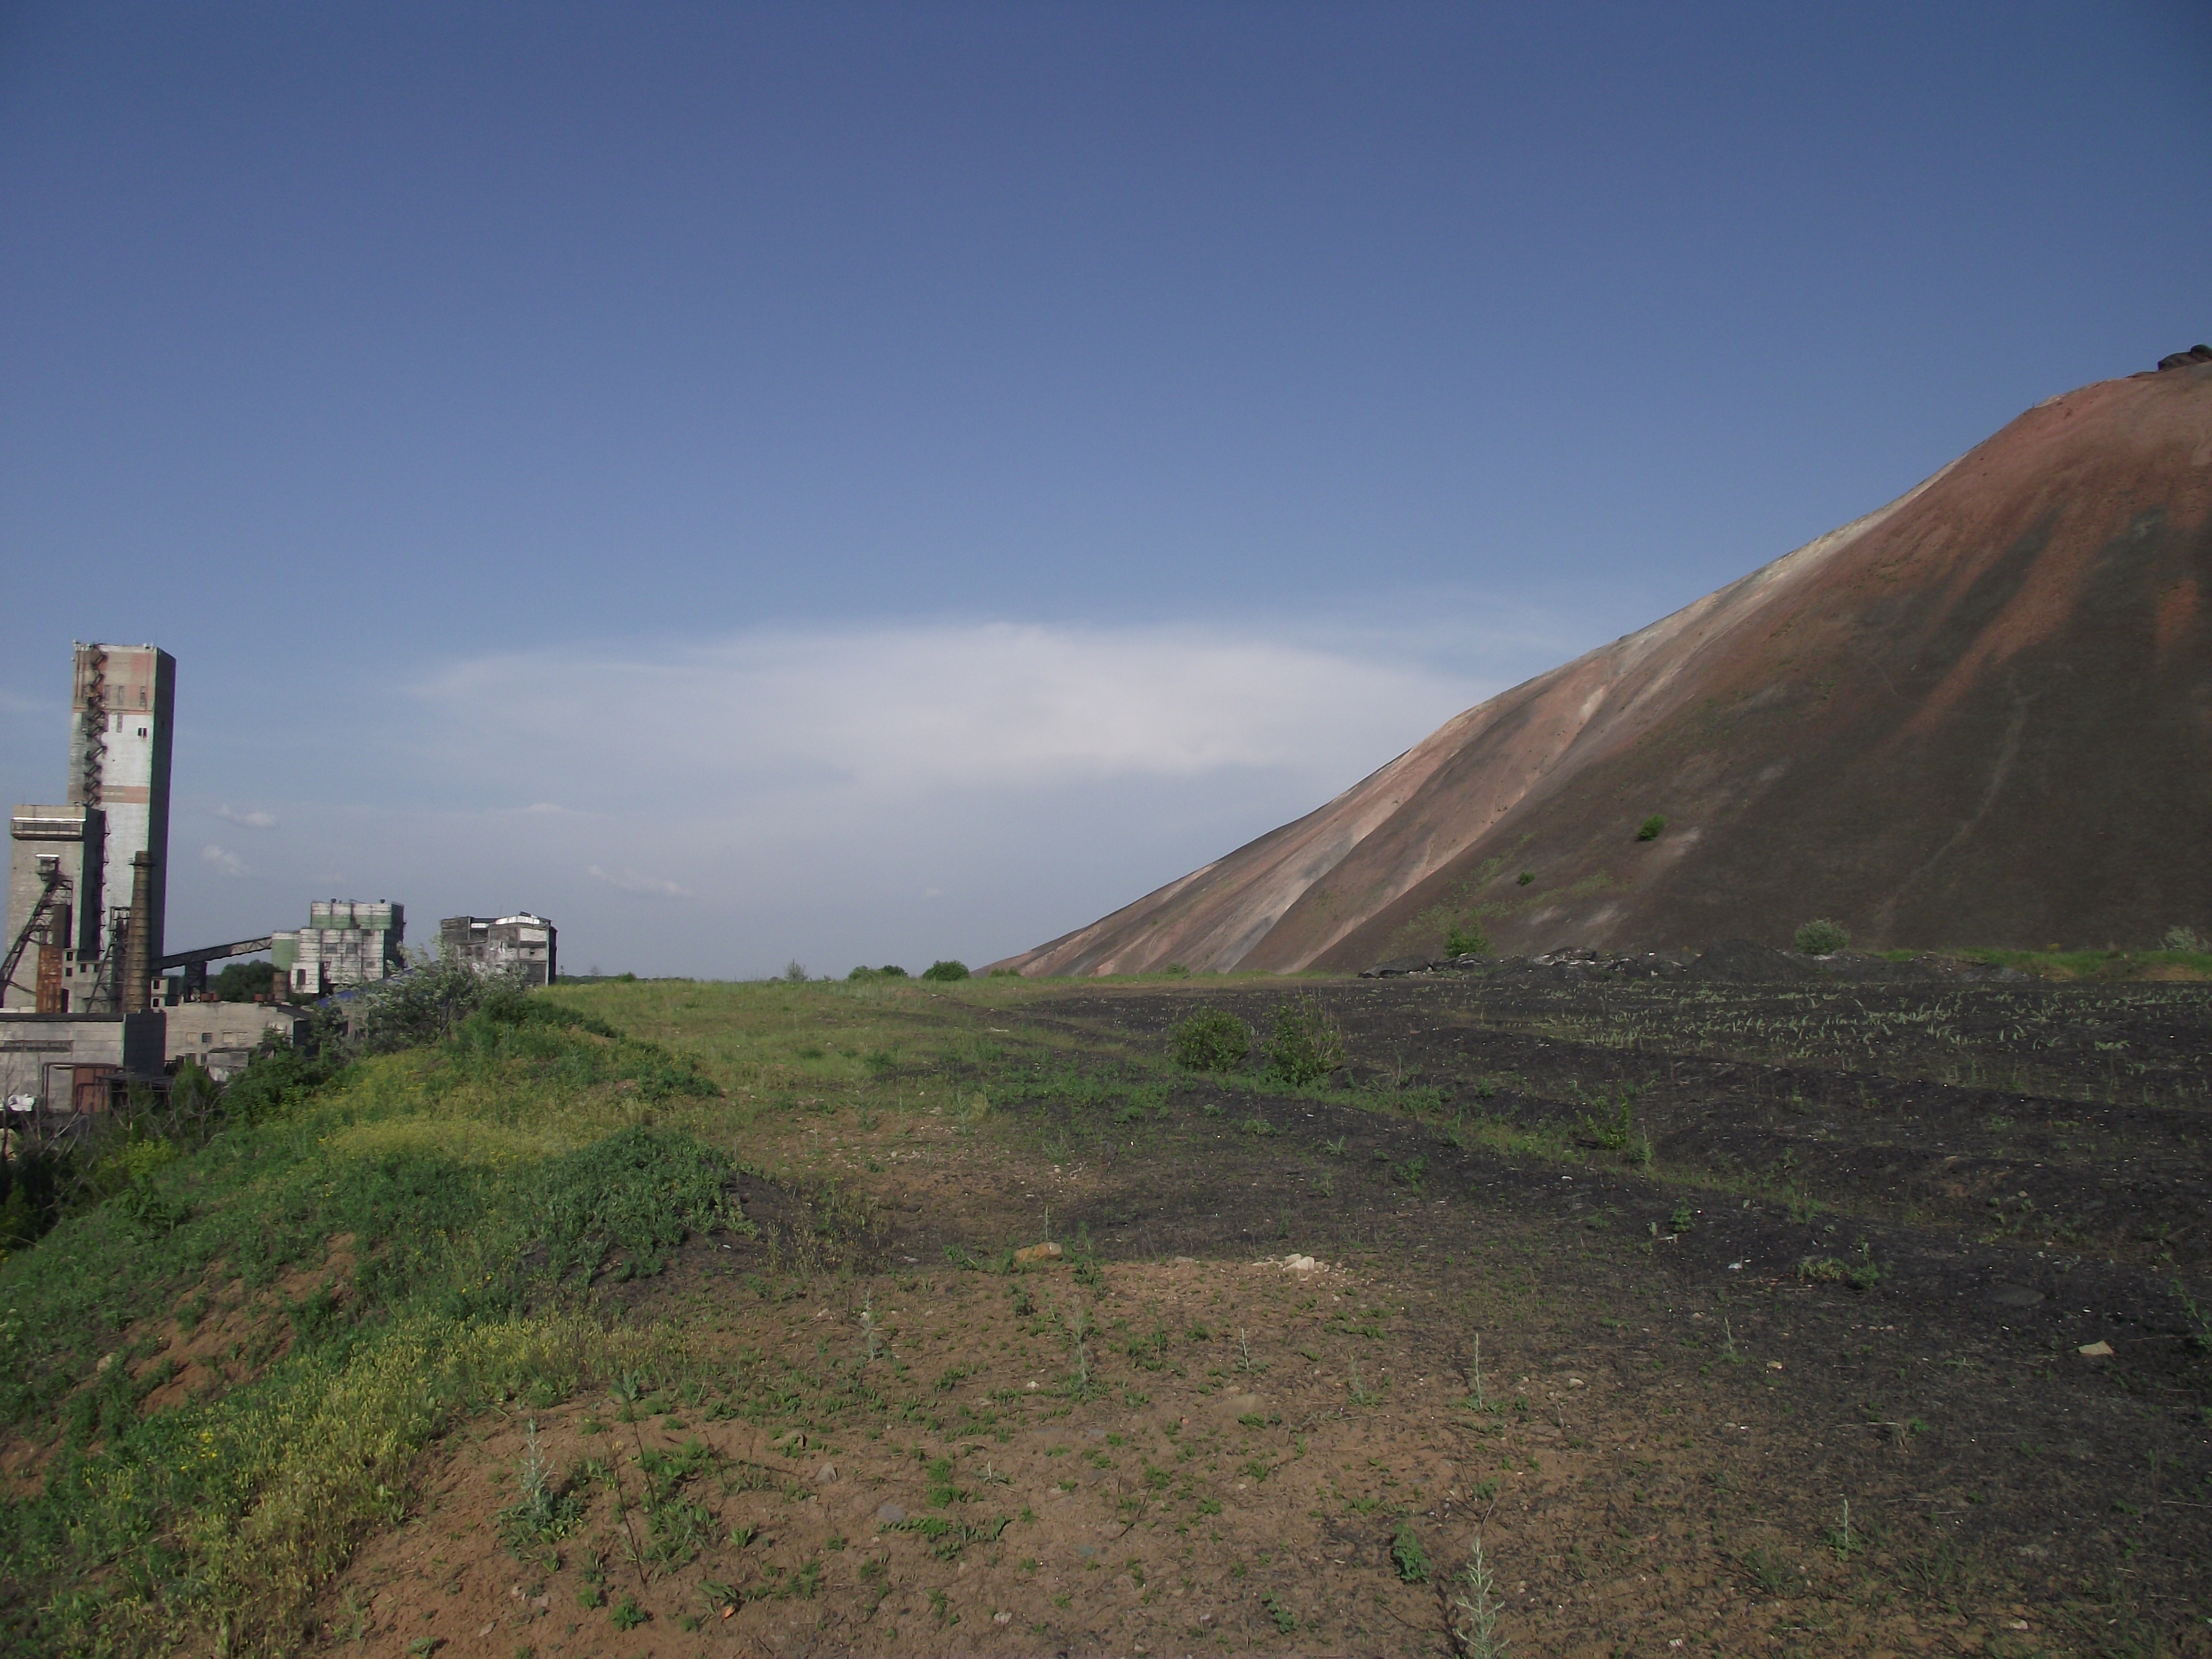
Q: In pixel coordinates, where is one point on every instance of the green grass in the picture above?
(476, 1185)
(409, 1238)
(2105, 965)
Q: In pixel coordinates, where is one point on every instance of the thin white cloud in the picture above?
(629, 881)
(256, 819)
(228, 864)
(888, 711)
(878, 793)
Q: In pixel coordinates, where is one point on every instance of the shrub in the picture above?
(2184, 939)
(1526, 876)
(1213, 1040)
(1465, 939)
(1862, 1272)
(795, 971)
(1308, 1044)
(427, 1005)
(1651, 828)
(946, 970)
(1413, 1560)
(1821, 938)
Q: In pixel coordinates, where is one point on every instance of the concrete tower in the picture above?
(121, 703)
(120, 720)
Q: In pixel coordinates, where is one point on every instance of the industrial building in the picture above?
(122, 709)
(346, 942)
(87, 896)
(220, 1037)
(54, 858)
(520, 943)
(53, 1065)
(83, 1014)
(86, 877)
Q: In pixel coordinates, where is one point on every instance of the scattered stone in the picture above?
(825, 1475)
(1003, 1619)
(2095, 1351)
(1300, 1264)
(1045, 1252)
(889, 1513)
(1398, 966)
(794, 1441)
(2015, 1296)
(106, 1360)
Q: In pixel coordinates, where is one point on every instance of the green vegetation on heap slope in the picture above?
(2111, 964)
(474, 1186)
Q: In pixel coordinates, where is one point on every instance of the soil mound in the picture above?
(1981, 715)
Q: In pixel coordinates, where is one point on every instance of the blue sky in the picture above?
(876, 482)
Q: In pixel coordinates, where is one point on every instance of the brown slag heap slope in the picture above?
(1980, 714)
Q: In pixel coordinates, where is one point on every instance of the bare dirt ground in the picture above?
(1725, 1320)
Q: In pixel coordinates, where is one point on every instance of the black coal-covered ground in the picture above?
(2010, 1230)
(1459, 1159)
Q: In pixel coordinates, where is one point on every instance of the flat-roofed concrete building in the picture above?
(521, 942)
(220, 1037)
(346, 942)
(53, 1064)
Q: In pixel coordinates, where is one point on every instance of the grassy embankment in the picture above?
(403, 1243)
(216, 1380)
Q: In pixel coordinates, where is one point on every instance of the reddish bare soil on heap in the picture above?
(1981, 715)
